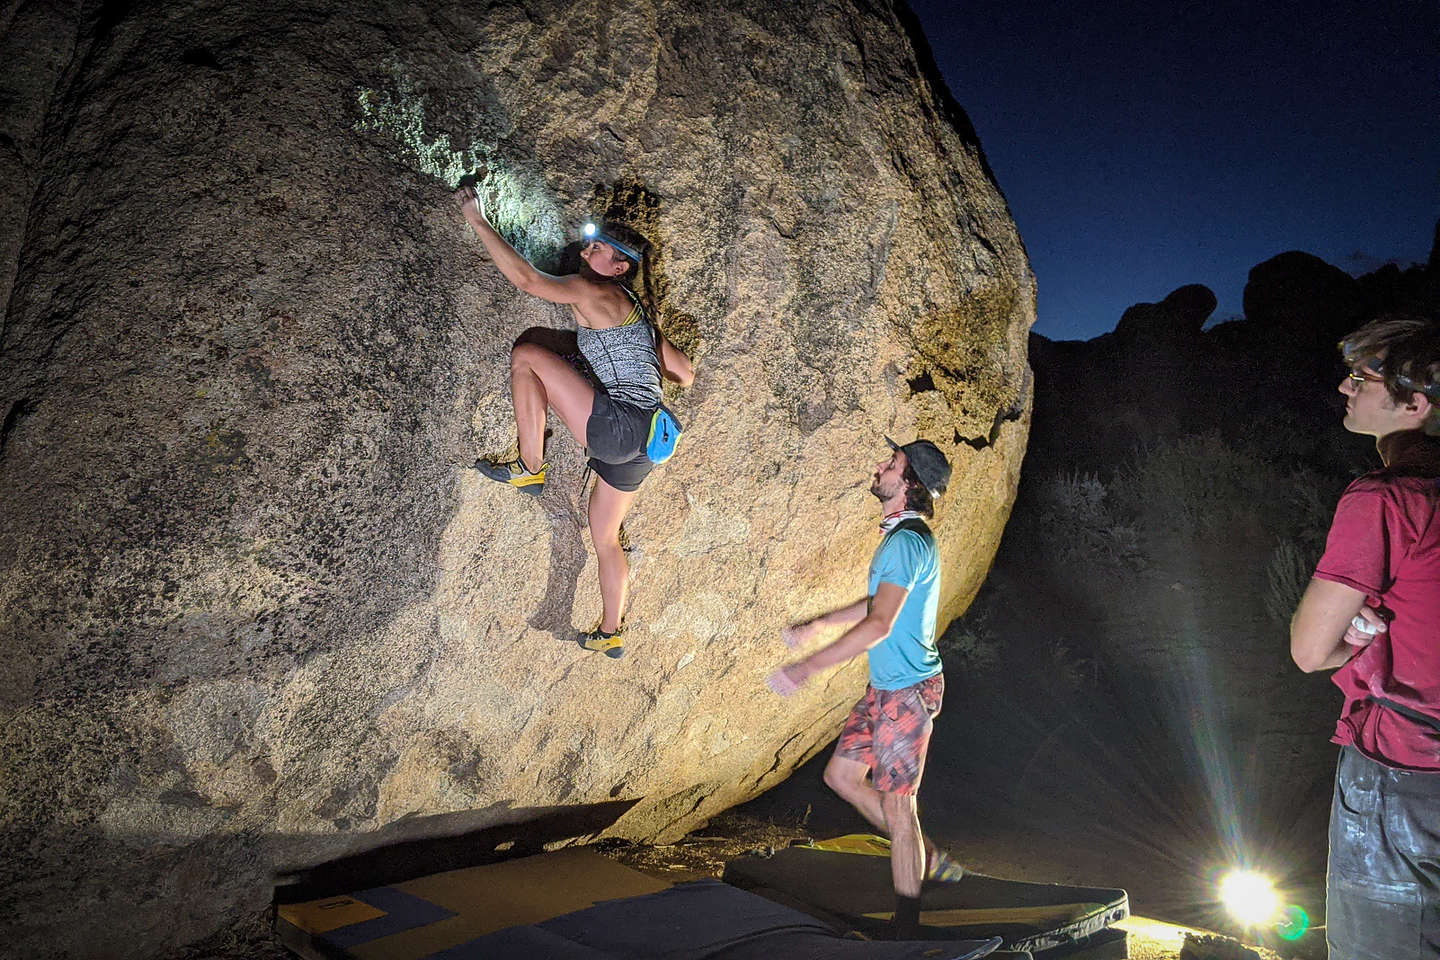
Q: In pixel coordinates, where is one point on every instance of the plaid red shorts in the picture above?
(889, 731)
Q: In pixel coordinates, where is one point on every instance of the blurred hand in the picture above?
(1366, 625)
(787, 680)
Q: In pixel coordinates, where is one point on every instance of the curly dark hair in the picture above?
(917, 496)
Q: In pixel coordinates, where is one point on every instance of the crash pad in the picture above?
(431, 913)
(577, 905)
(848, 879)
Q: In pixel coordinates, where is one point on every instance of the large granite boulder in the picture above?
(256, 615)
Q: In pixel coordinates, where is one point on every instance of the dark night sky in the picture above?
(1143, 146)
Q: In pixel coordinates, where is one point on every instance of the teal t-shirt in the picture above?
(907, 558)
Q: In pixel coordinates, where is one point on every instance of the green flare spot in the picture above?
(1295, 921)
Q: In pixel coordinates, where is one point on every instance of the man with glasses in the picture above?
(1372, 613)
(887, 734)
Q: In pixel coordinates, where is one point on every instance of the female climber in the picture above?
(628, 356)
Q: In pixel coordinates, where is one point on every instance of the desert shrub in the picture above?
(1288, 573)
(1063, 670)
(1312, 507)
(971, 644)
(1033, 655)
(1067, 517)
(1195, 484)
(1308, 511)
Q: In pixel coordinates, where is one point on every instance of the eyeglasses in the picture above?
(1363, 376)
(1431, 391)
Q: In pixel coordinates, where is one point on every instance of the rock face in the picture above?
(256, 616)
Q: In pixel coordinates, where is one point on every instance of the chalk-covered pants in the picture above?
(1382, 888)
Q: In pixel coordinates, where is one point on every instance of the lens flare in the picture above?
(1249, 897)
(1294, 921)
(590, 230)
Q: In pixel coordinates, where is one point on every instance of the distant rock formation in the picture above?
(1300, 300)
(256, 614)
(1097, 399)
(1176, 496)
(1160, 374)
(1173, 321)
(1411, 289)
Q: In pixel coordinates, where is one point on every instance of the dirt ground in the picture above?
(1079, 808)
(1084, 789)
(1133, 728)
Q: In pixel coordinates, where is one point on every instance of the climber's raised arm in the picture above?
(571, 289)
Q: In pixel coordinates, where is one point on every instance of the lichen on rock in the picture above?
(515, 203)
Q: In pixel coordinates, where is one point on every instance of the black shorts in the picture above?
(623, 476)
(615, 435)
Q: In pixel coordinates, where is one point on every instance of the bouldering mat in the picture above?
(577, 905)
(848, 879)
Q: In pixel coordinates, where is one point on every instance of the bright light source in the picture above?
(590, 229)
(1250, 898)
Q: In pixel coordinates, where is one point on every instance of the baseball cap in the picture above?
(929, 464)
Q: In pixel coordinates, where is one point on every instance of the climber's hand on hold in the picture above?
(465, 194)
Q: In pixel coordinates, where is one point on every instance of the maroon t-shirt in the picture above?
(1385, 541)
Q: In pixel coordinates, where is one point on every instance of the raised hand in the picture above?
(466, 194)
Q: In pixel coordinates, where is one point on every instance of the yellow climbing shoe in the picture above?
(514, 473)
(942, 867)
(610, 644)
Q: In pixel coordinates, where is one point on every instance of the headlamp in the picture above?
(593, 233)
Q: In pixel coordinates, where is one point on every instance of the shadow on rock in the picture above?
(564, 507)
(448, 844)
